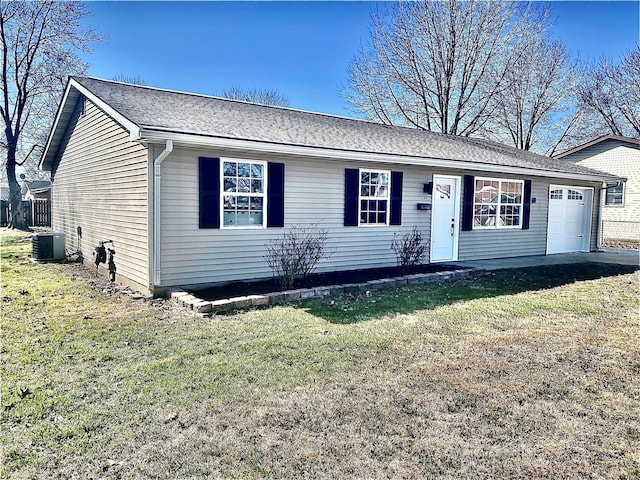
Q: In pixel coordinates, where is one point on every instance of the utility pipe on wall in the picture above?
(602, 201)
(157, 182)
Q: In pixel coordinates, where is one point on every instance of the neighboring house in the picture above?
(36, 190)
(190, 188)
(36, 196)
(619, 156)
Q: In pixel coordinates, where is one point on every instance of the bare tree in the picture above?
(130, 79)
(441, 66)
(263, 96)
(610, 93)
(535, 107)
(39, 40)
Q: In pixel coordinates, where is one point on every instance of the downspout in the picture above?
(157, 182)
(600, 225)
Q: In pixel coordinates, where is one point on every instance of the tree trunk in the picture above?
(16, 217)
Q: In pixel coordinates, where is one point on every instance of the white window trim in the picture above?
(498, 205)
(360, 198)
(615, 205)
(263, 195)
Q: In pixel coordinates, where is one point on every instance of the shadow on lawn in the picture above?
(362, 307)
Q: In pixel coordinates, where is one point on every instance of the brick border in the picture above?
(209, 308)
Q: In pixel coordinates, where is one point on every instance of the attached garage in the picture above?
(569, 219)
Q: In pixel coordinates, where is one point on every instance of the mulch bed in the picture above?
(238, 289)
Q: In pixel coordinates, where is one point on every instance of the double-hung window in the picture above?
(243, 185)
(497, 203)
(615, 194)
(374, 197)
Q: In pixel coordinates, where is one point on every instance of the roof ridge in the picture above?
(201, 115)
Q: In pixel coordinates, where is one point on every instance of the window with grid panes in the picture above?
(243, 193)
(556, 194)
(574, 195)
(497, 203)
(374, 197)
(615, 194)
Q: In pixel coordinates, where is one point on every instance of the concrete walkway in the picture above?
(620, 257)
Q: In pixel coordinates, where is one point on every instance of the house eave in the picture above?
(65, 110)
(48, 154)
(628, 141)
(155, 135)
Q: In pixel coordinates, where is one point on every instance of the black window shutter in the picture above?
(209, 190)
(395, 215)
(351, 186)
(467, 203)
(275, 194)
(526, 205)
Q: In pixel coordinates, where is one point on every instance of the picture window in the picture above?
(497, 203)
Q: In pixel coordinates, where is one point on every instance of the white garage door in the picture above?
(569, 219)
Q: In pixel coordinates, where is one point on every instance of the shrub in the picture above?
(410, 248)
(296, 254)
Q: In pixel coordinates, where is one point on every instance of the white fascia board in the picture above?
(154, 135)
(134, 130)
(54, 127)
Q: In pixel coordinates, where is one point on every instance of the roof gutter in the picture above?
(152, 136)
(157, 201)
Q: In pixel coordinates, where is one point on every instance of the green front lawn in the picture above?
(521, 374)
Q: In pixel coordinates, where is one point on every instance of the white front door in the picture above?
(569, 219)
(445, 218)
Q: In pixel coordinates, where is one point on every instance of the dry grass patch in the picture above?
(531, 374)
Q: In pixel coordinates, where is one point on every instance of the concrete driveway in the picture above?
(620, 257)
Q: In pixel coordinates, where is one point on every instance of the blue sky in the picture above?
(301, 49)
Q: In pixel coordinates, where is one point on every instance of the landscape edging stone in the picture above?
(208, 308)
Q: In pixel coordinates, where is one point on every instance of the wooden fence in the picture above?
(37, 212)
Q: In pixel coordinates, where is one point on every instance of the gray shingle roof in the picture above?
(164, 110)
(613, 139)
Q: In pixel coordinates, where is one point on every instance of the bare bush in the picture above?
(296, 254)
(410, 248)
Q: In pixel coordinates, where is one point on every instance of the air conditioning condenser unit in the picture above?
(48, 246)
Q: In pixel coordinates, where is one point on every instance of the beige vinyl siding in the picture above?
(619, 159)
(314, 194)
(100, 183)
